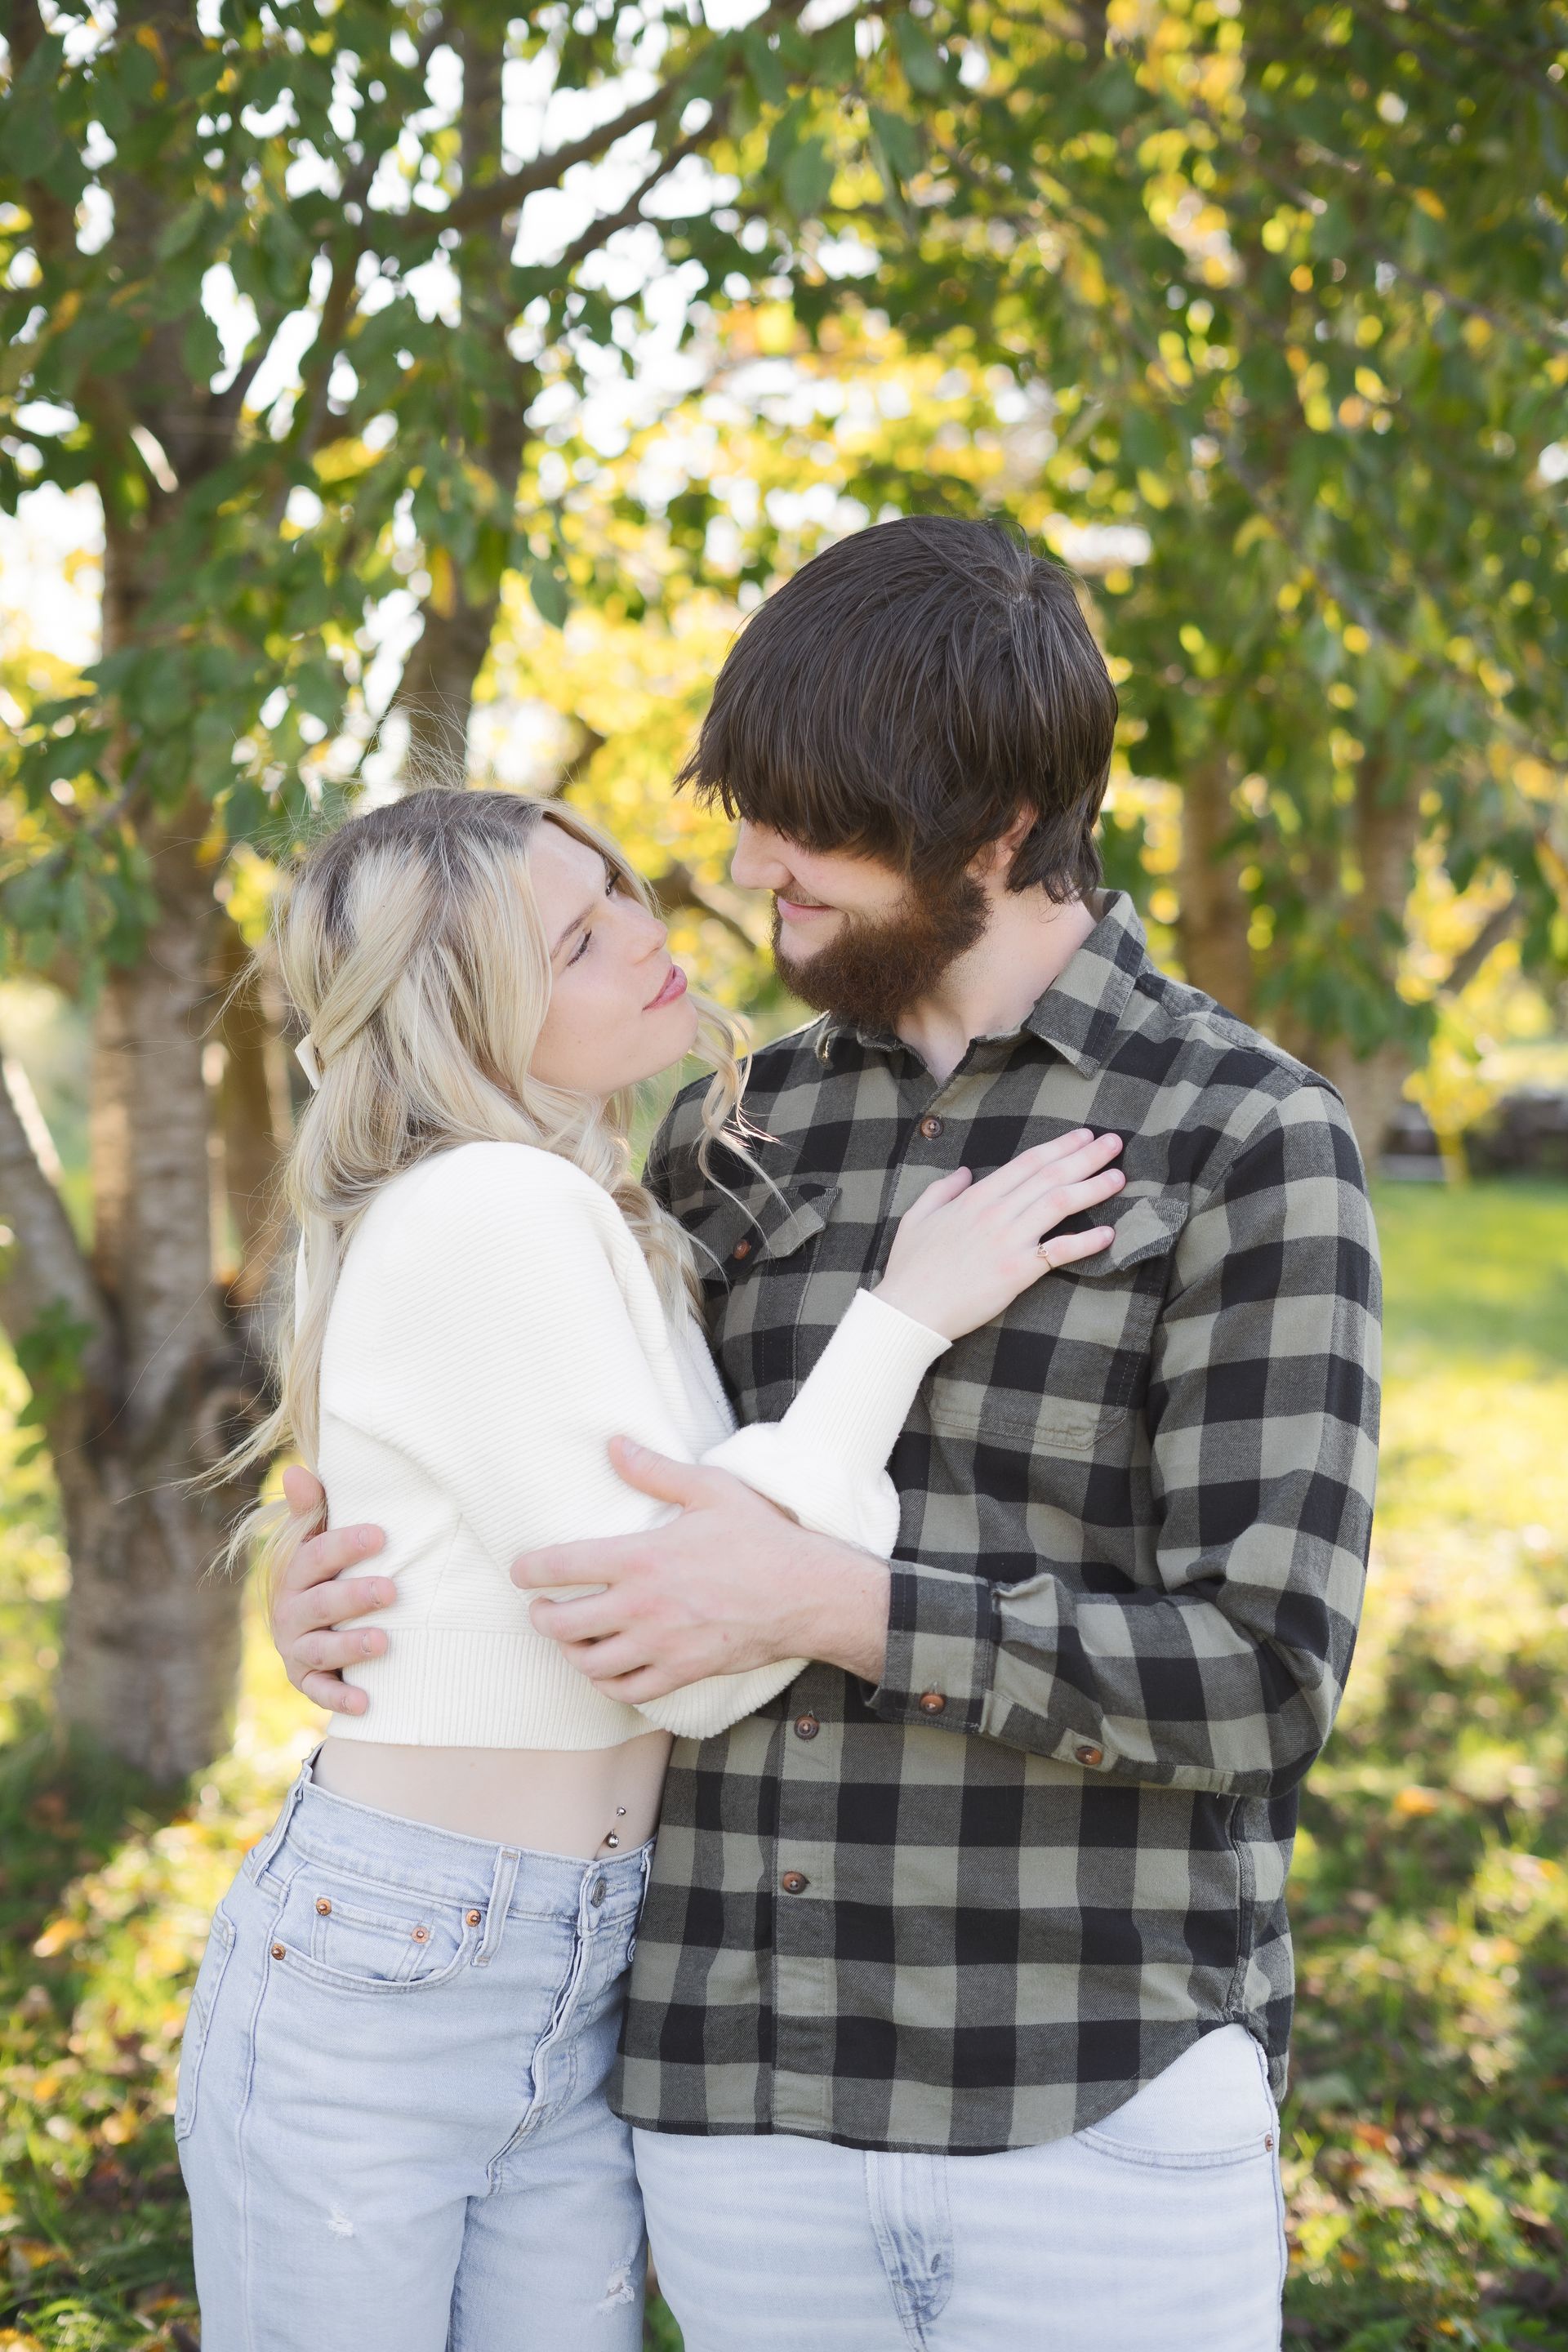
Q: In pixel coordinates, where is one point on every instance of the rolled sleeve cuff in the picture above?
(942, 1649)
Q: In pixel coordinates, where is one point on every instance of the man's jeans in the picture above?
(1159, 2230)
(392, 2115)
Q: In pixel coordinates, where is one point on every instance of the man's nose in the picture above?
(757, 864)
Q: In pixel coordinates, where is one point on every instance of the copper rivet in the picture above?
(473, 1917)
(1087, 1753)
(1268, 2139)
(422, 1935)
(278, 1951)
(322, 1905)
(932, 1703)
(741, 1249)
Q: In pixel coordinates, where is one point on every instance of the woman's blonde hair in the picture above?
(412, 951)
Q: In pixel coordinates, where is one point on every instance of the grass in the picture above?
(1426, 2132)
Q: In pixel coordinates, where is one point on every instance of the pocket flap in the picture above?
(1145, 1229)
(772, 1224)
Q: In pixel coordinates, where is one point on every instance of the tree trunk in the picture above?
(1212, 925)
(150, 1656)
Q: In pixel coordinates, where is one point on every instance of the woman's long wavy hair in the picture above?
(412, 951)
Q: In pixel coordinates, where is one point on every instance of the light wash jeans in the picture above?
(392, 2115)
(1159, 2230)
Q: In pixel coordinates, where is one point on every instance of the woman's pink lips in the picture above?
(673, 987)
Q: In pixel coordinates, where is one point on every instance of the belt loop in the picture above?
(500, 1903)
(261, 1854)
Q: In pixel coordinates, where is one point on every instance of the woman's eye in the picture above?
(580, 951)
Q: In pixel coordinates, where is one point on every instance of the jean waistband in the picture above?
(522, 1882)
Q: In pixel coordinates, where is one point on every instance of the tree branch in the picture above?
(47, 1264)
(1492, 933)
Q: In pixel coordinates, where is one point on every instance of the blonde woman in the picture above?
(392, 2113)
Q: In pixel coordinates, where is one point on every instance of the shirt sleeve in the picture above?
(1262, 1414)
(511, 1354)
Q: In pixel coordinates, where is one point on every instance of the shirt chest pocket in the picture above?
(755, 1256)
(1063, 1367)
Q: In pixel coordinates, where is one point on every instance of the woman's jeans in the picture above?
(1159, 2230)
(392, 2115)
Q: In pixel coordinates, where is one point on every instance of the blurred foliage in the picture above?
(1426, 2135)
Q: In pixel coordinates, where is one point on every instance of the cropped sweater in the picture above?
(495, 1323)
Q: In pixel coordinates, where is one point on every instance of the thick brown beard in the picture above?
(875, 970)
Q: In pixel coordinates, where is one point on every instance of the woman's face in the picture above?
(618, 1007)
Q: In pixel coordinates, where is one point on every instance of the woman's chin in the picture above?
(675, 1027)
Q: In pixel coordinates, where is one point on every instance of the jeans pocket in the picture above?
(198, 2020)
(358, 1934)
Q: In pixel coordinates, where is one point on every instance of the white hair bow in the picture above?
(305, 1054)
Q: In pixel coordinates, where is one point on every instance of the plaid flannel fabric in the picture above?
(975, 1908)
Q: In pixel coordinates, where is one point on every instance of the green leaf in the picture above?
(766, 68)
(919, 55)
(808, 178)
(552, 596)
(899, 140)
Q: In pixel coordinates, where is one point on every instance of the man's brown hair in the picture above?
(905, 694)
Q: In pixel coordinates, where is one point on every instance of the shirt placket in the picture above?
(804, 1864)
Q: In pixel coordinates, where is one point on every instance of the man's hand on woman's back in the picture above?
(312, 1614)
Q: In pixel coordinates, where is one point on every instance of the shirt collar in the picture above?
(1082, 1011)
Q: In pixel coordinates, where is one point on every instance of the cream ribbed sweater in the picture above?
(494, 1325)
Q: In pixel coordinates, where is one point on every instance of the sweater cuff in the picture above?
(856, 1401)
(942, 1649)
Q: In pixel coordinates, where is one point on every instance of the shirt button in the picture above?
(806, 1726)
(932, 1703)
(1087, 1753)
(741, 1249)
(930, 1129)
(795, 1882)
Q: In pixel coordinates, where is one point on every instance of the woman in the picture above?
(392, 2113)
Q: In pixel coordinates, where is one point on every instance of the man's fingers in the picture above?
(304, 1493)
(575, 1563)
(623, 1654)
(333, 1652)
(330, 1604)
(327, 1555)
(337, 1697)
(588, 1619)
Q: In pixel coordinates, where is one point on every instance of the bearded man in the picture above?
(962, 1989)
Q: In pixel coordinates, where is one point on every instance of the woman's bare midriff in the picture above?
(581, 1802)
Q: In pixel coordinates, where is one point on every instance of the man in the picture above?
(962, 1963)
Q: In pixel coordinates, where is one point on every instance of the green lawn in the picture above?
(1426, 2135)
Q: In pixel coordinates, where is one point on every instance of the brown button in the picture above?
(806, 1726)
(932, 1703)
(278, 1951)
(473, 1917)
(1087, 1753)
(422, 1935)
(795, 1882)
(741, 1249)
(930, 1129)
(322, 1905)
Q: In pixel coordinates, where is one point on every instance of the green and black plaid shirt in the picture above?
(977, 1907)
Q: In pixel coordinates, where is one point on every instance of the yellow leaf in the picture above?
(1431, 204)
(1413, 1803)
(56, 1936)
(443, 583)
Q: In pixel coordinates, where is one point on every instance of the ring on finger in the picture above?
(1044, 1248)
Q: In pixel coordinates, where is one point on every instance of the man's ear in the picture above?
(994, 861)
